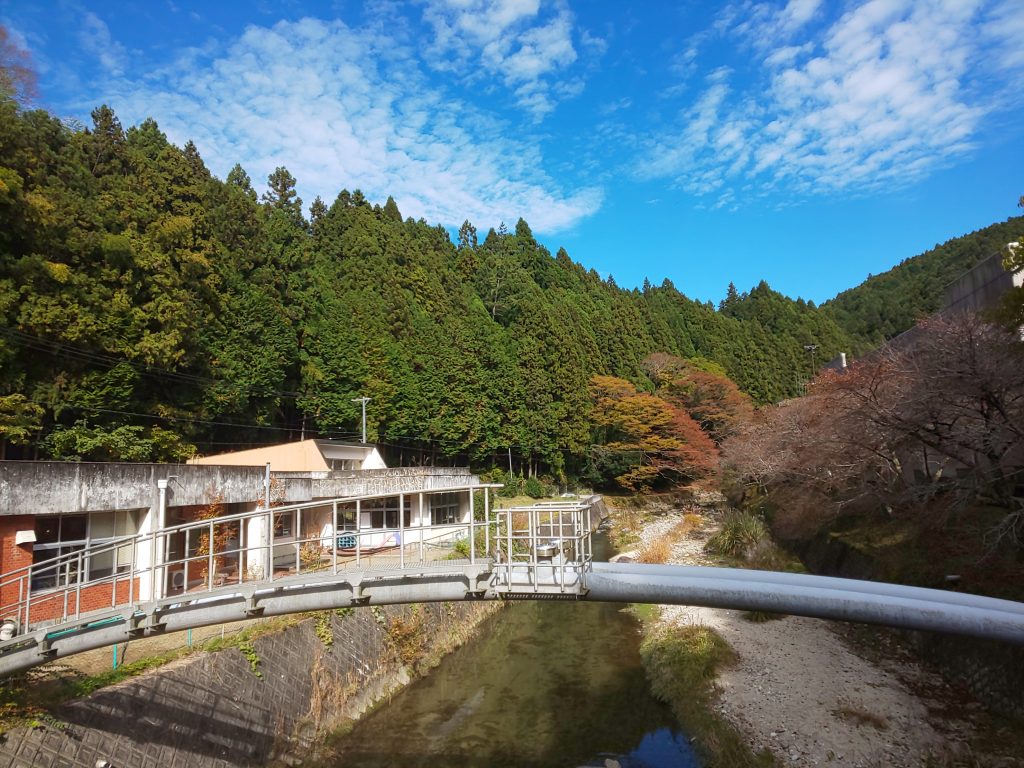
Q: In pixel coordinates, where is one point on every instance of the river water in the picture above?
(555, 684)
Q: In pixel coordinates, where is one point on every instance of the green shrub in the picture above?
(534, 488)
(741, 535)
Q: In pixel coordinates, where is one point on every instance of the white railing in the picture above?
(541, 547)
(527, 548)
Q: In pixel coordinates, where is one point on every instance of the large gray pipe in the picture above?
(815, 596)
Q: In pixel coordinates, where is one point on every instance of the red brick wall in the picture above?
(12, 556)
(93, 599)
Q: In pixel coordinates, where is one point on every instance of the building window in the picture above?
(60, 535)
(384, 512)
(284, 525)
(444, 508)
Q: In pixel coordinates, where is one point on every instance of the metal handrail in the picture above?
(275, 556)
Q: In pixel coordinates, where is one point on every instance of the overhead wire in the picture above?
(88, 356)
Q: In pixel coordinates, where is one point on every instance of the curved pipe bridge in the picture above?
(797, 594)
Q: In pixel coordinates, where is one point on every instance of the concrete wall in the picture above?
(64, 487)
(391, 481)
(61, 487)
(212, 711)
(981, 287)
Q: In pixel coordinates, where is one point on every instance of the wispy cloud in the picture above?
(528, 46)
(96, 40)
(879, 97)
(347, 107)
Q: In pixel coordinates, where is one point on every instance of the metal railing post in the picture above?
(299, 540)
(561, 548)
(209, 559)
(532, 517)
(422, 527)
(131, 573)
(28, 598)
(359, 530)
(401, 531)
(243, 554)
(67, 580)
(334, 536)
(487, 522)
(78, 584)
(508, 551)
(269, 572)
(472, 530)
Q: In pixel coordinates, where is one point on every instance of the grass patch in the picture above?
(645, 612)
(740, 536)
(744, 541)
(681, 664)
(27, 701)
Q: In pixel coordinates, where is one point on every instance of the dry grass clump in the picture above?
(690, 522)
(658, 551)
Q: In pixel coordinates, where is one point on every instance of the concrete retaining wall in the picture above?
(212, 711)
(992, 671)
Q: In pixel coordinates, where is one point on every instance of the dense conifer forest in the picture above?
(151, 311)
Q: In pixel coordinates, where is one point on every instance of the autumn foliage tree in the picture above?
(644, 441)
(935, 423)
(702, 388)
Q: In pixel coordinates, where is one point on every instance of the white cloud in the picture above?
(881, 97)
(96, 39)
(1004, 27)
(343, 107)
(515, 40)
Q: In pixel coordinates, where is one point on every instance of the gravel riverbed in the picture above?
(801, 690)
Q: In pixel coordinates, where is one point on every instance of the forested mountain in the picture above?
(150, 309)
(886, 305)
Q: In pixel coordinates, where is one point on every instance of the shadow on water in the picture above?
(543, 684)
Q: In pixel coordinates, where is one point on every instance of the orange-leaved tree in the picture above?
(702, 388)
(642, 441)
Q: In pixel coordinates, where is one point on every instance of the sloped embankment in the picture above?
(260, 702)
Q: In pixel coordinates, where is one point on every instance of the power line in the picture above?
(185, 419)
(84, 355)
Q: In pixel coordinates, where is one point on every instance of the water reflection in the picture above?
(544, 684)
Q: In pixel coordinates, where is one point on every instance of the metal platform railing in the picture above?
(541, 547)
(545, 548)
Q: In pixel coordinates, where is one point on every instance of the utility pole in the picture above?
(810, 348)
(364, 401)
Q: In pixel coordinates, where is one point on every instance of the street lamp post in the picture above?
(811, 348)
(364, 401)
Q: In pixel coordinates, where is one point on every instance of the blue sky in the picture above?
(805, 143)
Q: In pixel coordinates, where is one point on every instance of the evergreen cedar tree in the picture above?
(151, 310)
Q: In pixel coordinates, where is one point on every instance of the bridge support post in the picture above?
(472, 530)
(334, 536)
(423, 525)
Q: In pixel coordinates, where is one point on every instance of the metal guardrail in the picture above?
(235, 566)
(537, 552)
